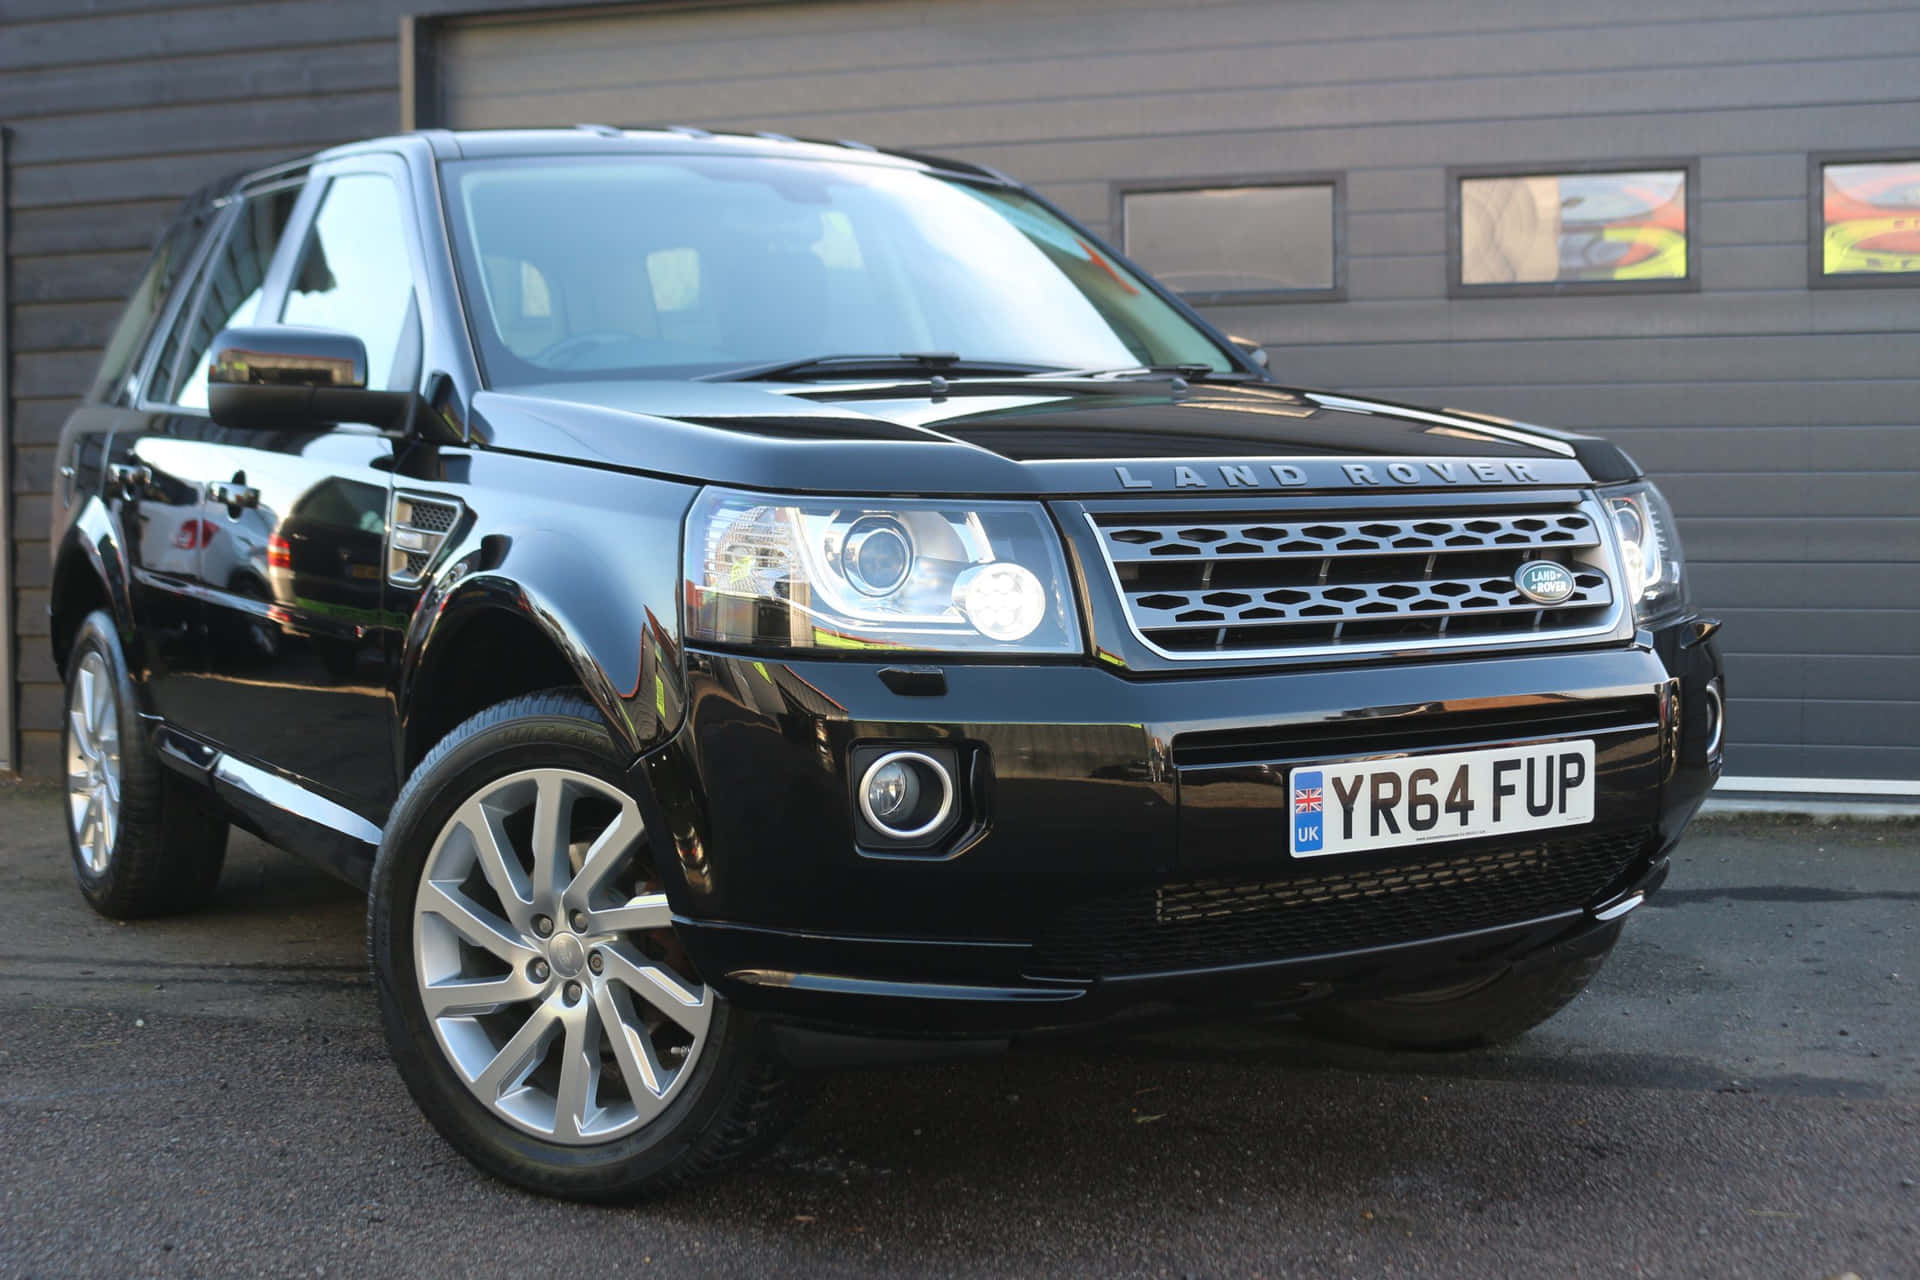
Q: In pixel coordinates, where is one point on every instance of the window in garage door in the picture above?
(1866, 228)
(1584, 230)
(1242, 242)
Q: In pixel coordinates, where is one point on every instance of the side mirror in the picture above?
(1255, 352)
(289, 378)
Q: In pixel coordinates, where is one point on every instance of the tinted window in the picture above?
(354, 274)
(671, 267)
(115, 381)
(229, 296)
(1871, 219)
(1227, 240)
(1574, 228)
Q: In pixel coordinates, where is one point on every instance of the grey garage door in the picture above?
(1780, 418)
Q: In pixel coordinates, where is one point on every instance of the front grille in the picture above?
(1204, 923)
(1246, 586)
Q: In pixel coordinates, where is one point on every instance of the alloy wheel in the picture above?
(93, 763)
(546, 961)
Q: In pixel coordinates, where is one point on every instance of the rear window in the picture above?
(116, 381)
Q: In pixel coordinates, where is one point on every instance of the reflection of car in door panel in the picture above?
(330, 548)
(850, 609)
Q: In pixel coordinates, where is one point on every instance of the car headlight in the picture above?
(1650, 548)
(769, 572)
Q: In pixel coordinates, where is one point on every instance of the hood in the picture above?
(1028, 436)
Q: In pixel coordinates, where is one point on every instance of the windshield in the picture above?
(652, 266)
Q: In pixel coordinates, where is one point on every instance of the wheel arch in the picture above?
(488, 637)
(89, 572)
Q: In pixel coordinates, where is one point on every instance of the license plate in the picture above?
(1455, 795)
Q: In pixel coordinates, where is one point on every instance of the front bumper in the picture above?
(1103, 797)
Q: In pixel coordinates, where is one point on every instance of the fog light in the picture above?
(1716, 718)
(905, 794)
(1003, 601)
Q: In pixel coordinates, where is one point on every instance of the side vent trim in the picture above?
(420, 526)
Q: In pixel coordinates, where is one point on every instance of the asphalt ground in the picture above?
(1738, 1094)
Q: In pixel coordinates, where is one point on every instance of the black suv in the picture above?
(739, 604)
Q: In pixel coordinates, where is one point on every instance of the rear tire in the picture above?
(534, 995)
(1449, 1019)
(143, 844)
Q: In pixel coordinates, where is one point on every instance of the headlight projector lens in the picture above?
(906, 795)
(878, 558)
(1003, 601)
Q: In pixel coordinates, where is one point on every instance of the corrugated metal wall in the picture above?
(1781, 420)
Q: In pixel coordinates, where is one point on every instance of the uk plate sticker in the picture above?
(1308, 835)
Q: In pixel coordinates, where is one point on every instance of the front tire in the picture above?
(535, 998)
(1468, 1016)
(142, 844)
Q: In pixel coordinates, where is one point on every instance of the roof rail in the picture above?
(849, 142)
(771, 136)
(621, 131)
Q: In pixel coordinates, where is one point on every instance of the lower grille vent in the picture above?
(1215, 922)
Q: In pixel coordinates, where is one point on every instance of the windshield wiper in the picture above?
(1189, 372)
(911, 362)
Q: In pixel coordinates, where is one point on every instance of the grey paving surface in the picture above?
(1738, 1095)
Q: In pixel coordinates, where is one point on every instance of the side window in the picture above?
(229, 296)
(354, 276)
(114, 384)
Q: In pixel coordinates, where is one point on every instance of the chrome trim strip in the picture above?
(271, 788)
(1716, 719)
(842, 984)
(1546, 442)
(1609, 547)
(1621, 907)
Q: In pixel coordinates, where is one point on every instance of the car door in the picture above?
(159, 459)
(293, 565)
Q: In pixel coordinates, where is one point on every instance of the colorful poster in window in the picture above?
(1871, 214)
(1574, 228)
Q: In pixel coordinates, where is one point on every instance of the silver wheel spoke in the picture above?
(518, 1056)
(627, 1037)
(89, 709)
(659, 990)
(579, 1073)
(474, 923)
(464, 996)
(90, 822)
(648, 911)
(503, 874)
(99, 705)
(552, 807)
(82, 733)
(604, 856)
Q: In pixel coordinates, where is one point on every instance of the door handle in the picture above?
(232, 495)
(128, 479)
